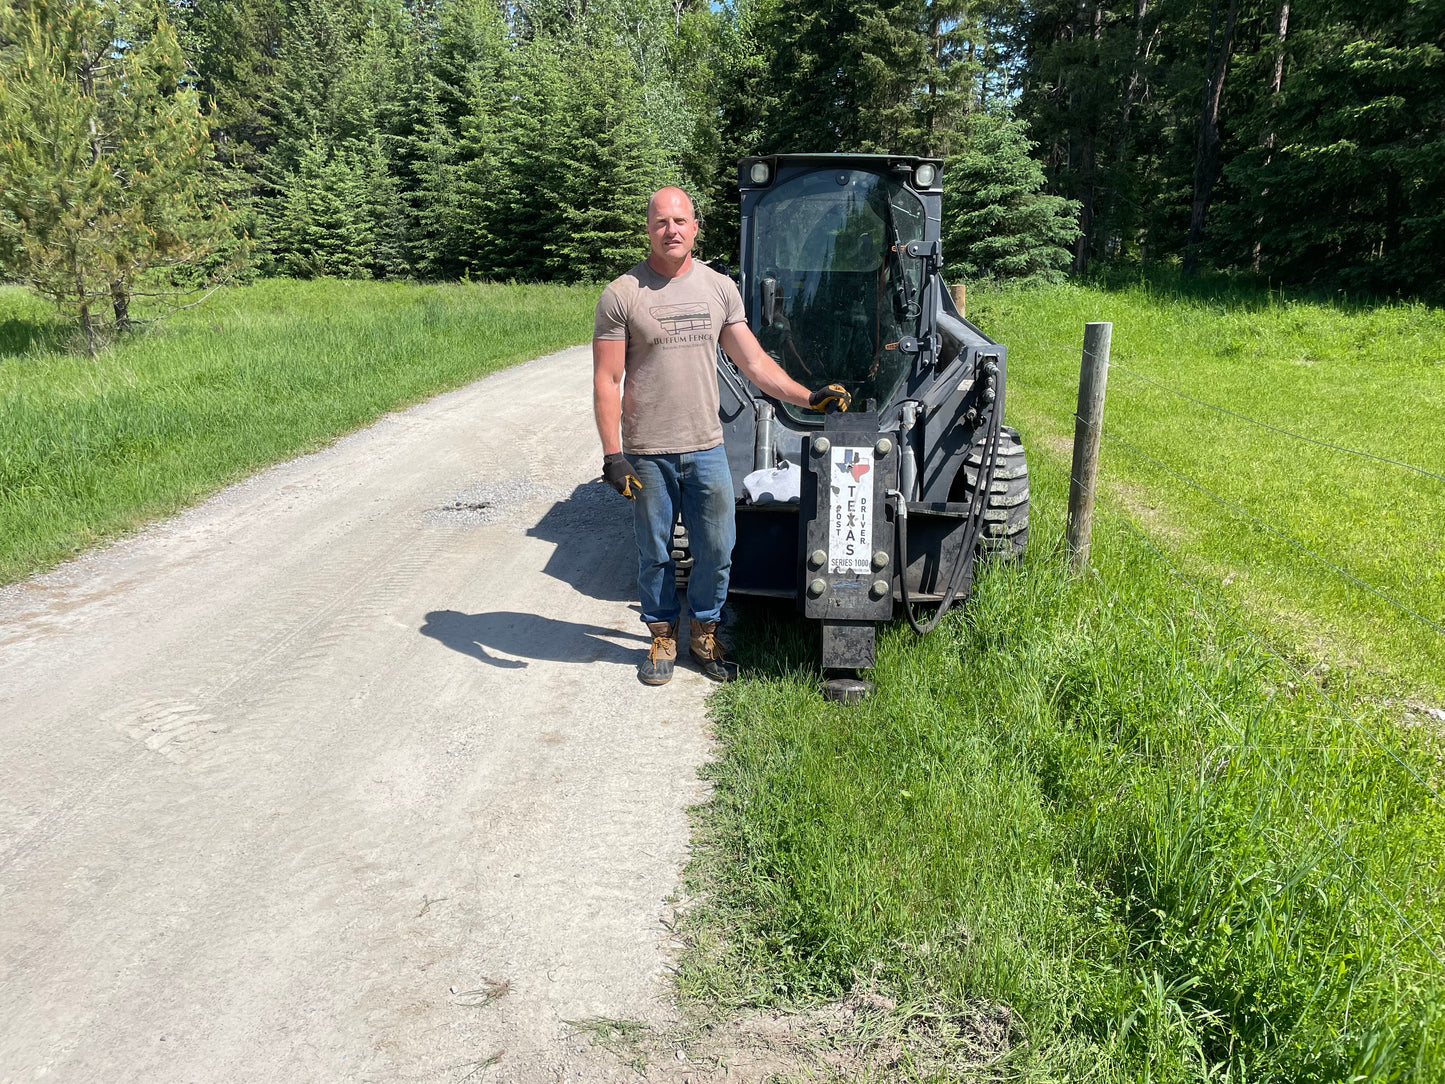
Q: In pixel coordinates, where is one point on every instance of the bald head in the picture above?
(671, 230)
(665, 200)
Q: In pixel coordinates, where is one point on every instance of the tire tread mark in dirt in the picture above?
(259, 713)
(263, 663)
(69, 808)
(180, 726)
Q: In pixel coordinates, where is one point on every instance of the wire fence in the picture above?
(1117, 366)
(1306, 679)
(1131, 373)
(1238, 510)
(1283, 535)
(1330, 711)
(1410, 929)
(1260, 751)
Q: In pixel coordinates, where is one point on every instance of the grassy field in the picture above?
(1369, 379)
(1091, 808)
(1177, 820)
(1166, 822)
(92, 449)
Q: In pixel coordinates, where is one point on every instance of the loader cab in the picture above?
(889, 502)
(833, 284)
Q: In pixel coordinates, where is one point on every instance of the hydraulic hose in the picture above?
(972, 524)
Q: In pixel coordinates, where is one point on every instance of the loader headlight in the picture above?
(924, 176)
(759, 173)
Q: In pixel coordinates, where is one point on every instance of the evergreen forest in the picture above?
(446, 139)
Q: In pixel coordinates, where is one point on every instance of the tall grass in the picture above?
(91, 449)
(1096, 802)
(1371, 379)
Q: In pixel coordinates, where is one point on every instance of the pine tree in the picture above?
(434, 201)
(314, 63)
(479, 232)
(387, 217)
(998, 224)
(843, 75)
(231, 49)
(609, 164)
(467, 57)
(452, 143)
(406, 120)
(956, 83)
(1348, 190)
(524, 203)
(340, 115)
(323, 227)
(104, 159)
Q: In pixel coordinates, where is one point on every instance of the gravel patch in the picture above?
(491, 502)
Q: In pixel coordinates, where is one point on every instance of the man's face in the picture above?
(671, 226)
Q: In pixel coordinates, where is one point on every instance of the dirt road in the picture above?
(345, 774)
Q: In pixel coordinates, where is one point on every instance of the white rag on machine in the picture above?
(775, 485)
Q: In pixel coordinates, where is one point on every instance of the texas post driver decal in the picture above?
(850, 541)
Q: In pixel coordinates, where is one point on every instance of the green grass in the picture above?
(1132, 807)
(1177, 815)
(1095, 801)
(1371, 379)
(92, 449)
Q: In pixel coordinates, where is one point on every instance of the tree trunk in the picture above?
(87, 325)
(982, 85)
(120, 301)
(1088, 160)
(935, 73)
(1086, 202)
(1142, 49)
(1281, 29)
(1206, 159)
(1394, 207)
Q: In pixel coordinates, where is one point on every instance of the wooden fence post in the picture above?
(1088, 425)
(959, 292)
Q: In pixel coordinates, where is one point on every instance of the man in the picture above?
(660, 325)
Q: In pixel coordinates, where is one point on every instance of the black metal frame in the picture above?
(954, 389)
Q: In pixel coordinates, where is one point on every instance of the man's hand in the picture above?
(833, 397)
(618, 473)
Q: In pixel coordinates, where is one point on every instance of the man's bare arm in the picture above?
(609, 359)
(740, 344)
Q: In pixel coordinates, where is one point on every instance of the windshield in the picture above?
(831, 291)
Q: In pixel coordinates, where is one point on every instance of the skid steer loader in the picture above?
(885, 506)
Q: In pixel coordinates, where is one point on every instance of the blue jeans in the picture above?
(699, 485)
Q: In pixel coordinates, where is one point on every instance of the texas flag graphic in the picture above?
(854, 464)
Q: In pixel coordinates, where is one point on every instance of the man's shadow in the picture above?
(595, 549)
(528, 635)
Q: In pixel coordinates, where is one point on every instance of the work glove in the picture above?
(833, 397)
(617, 472)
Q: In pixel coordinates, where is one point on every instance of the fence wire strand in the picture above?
(1254, 638)
(1304, 678)
(1282, 535)
(1238, 509)
(1339, 847)
(1274, 428)
(1114, 363)
(1411, 930)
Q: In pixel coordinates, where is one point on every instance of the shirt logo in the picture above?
(676, 319)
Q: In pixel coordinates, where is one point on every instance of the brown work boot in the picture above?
(707, 651)
(656, 669)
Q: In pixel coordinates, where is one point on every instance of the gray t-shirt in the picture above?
(669, 390)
